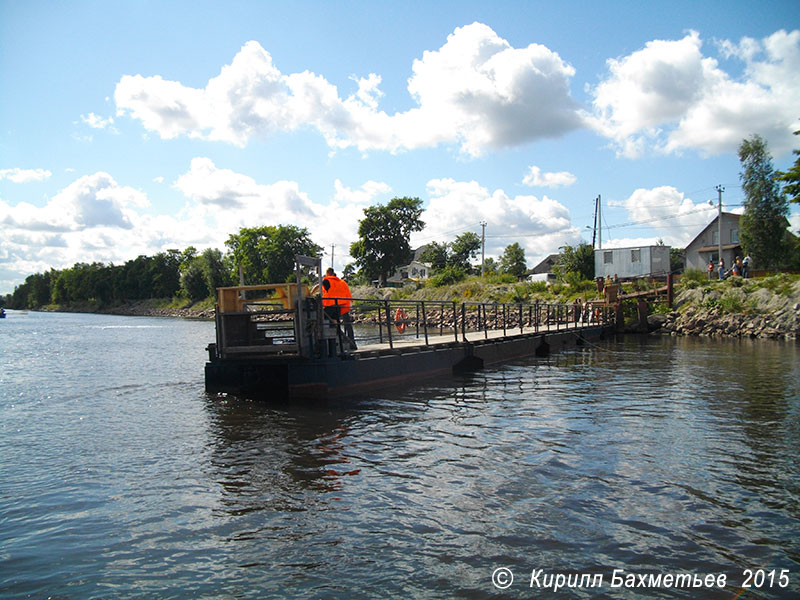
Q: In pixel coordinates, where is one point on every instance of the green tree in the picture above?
(791, 178)
(384, 234)
(677, 259)
(464, 249)
(266, 254)
(513, 261)
(215, 272)
(489, 265)
(459, 253)
(762, 228)
(575, 259)
(38, 290)
(193, 283)
(164, 269)
(436, 255)
(202, 275)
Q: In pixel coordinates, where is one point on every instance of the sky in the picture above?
(130, 128)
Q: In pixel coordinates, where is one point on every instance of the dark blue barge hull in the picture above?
(296, 377)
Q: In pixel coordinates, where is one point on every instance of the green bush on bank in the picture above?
(780, 284)
(447, 276)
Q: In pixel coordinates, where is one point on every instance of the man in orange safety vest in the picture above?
(337, 300)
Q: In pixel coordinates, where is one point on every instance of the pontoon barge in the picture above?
(274, 341)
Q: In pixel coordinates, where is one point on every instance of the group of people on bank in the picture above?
(741, 267)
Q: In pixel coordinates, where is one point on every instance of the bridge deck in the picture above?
(410, 342)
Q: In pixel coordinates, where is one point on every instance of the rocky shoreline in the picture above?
(733, 311)
(142, 308)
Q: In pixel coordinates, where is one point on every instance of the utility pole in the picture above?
(594, 229)
(332, 247)
(720, 189)
(599, 224)
(483, 247)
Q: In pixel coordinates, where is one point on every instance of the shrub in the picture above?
(578, 285)
(498, 278)
(780, 284)
(448, 276)
(696, 275)
(520, 293)
(710, 302)
(537, 287)
(731, 303)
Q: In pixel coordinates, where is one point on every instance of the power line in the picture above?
(442, 234)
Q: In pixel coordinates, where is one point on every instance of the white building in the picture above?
(705, 246)
(414, 271)
(631, 262)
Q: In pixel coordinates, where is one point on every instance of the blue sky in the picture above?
(130, 128)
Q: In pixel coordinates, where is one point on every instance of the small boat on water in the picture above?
(274, 341)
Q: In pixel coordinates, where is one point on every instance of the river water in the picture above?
(121, 478)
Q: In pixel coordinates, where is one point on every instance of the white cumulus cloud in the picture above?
(535, 178)
(97, 122)
(92, 219)
(226, 201)
(674, 218)
(669, 96)
(539, 225)
(476, 90)
(90, 201)
(24, 175)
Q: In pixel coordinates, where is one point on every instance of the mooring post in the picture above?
(669, 290)
(463, 321)
(641, 308)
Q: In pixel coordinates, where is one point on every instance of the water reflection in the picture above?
(650, 455)
(276, 458)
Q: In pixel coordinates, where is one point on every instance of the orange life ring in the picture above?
(400, 318)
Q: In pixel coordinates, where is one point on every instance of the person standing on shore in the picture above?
(746, 266)
(721, 268)
(710, 268)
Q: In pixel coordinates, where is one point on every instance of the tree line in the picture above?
(261, 253)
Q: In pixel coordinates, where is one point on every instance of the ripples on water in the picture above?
(122, 479)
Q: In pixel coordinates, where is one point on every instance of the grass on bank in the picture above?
(730, 295)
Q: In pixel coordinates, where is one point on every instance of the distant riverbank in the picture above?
(142, 308)
(753, 308)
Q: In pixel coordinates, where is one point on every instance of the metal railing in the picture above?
(270, 325)
(420, 320)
